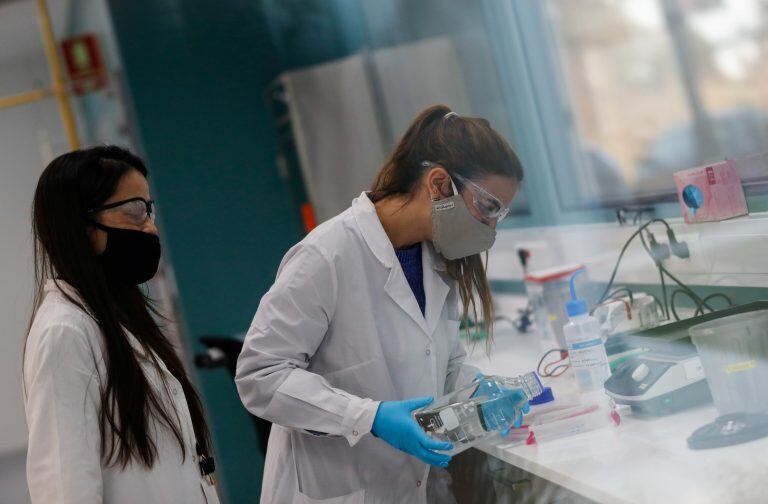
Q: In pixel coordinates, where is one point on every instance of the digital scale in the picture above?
(657, 384)
(668, 377)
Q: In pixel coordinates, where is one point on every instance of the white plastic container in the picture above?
(586, 349)
(572, 420)
(547, 291)
(734, 354)
(565, 417)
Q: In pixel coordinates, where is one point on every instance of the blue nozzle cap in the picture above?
(576, 306)
(545, 397)
(693, 197)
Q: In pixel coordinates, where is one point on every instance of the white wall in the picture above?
(29, 135)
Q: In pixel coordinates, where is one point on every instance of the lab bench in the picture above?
(644, 460)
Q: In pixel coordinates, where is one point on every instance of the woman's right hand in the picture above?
(395, 425)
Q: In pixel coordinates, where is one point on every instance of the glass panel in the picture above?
(655, 86)
(430, 52)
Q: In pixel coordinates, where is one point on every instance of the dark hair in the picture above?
(464, 145)
(70, 186)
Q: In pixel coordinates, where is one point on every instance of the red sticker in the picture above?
(710, 175)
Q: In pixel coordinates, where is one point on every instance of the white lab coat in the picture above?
(63, 372)
(339, 331)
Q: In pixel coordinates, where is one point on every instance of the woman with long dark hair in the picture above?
(112, 415)
(364, 316)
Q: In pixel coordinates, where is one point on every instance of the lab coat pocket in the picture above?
(353, 498)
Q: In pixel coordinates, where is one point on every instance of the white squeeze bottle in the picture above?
(585, 344)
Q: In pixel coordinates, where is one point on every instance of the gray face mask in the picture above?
(456, 233)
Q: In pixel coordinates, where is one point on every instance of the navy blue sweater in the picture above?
(410, 260)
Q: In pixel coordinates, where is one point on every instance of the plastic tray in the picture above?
(673, 339)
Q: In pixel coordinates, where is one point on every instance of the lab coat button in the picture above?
(174, 390)
(354, 433)
(418, 483)
(429, 351)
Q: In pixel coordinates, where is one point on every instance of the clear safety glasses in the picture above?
(136, 210)
(488, 206)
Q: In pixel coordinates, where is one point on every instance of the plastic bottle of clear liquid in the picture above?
(467, 416)
(586, 349)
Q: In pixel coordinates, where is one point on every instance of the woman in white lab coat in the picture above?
(112, 415)
(364, 317)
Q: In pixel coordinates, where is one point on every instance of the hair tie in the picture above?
(450, 114)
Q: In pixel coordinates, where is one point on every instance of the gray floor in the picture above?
(13, 478)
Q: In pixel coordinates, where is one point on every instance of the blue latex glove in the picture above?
(514, 405)
(395, 425)
(505, 410)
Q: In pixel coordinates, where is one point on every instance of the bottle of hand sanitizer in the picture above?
(585, 344)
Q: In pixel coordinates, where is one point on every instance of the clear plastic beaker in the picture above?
(734, 355)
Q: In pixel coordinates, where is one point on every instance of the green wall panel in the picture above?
(197, 72)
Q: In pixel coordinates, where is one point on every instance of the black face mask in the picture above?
(131, 256)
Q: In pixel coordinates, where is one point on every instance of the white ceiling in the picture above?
(19, 30)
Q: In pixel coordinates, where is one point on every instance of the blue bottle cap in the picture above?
(576, 307)
(544, 397)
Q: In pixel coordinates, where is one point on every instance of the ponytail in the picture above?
(466, 146)
(402, 171)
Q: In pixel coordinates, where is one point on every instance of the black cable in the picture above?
(604, 296)
(676, 293)
(721, 295)
(665, 305)
(555, 374)
(700, 306)
(563, 355)
(619, 291)
(665, 271)
(701, 303)
(612, 297)
(685, 288)
(664, 293)
(541, 361)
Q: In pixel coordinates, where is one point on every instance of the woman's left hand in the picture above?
(513, 404)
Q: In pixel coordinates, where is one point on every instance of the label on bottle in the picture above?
(449, 419)
(585, 344)
(588, 354)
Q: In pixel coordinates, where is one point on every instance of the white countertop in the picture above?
(641, 461)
